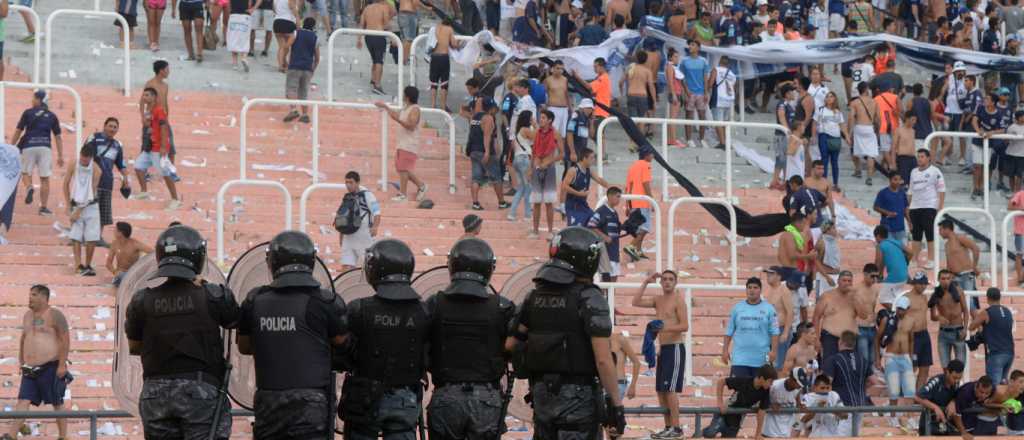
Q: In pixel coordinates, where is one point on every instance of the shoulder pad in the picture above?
(216, 291)
(597, 318)
(327, 296)
(505, 303)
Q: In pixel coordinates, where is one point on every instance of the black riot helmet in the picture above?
(180, 253)
(578, 248)
(471, 259)
(388, 261)
(291, 251)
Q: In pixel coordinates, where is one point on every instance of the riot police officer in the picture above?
(566, 326)
(176, 328)
(383, 391)
(290, 327)
(469, 325)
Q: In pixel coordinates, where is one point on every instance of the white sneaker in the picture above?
(894, 422)
(3, 240)
(421, 193)
(399, 198)
(912, 424)
(962, 162)
(704, 144)
(174, 204)
(141, 196)
(691, 144)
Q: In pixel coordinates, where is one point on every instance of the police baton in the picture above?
(506, 399)
(222, 395)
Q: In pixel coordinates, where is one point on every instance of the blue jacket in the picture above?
(650, 352)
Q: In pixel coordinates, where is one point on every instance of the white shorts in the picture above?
(41, 158)
(352, 255)
(261, 19)
(561, 119)
(606, 266)
(721, 114)
(884, 143)
(87, 228)
(977, 155)
(836, 23)
(880, 4)
(888, 292)
(238, 33)
(865, 142)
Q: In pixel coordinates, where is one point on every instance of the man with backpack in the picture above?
(357, 220)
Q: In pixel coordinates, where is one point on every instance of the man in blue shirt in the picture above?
(37, 124)
(891, 259)
(696, 70)
(109, 154)
(849, 372)
(891, 202)
(754, 327)
(996, 324)
(592, 33)
(605, 223)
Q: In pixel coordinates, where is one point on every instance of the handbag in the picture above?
(834, 144)
(210, 38)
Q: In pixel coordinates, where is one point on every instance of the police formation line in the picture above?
(466, 337)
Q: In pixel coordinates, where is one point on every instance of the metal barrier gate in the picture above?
(363, 32)
(31, 86)
(243, 182)
(114, 15)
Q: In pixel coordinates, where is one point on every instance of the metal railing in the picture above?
(114, 15)
(993, 267)
(32, 86)
(664, 122)
(984, 147)
(36, 44)
(365, 33)
(243, 182)
(733, 261)
(421, 38)
(92, 416)
(304, 199)
(656, 210)
(385, 120)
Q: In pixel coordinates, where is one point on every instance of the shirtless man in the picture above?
(803, 353)
(949, 308)
(43, 356)
(962, 255)
(922, 348)
(622, 350)
(640, 81)
(440, 64)
(557, 86)
(818, 181)
(376, 16)
(408, 24)
(125, 251)
(161, 71)
(617, 7)
(671, 310)
(780, 297)
(903, 147)
(793, 251)
(988, 421)
(896, 336)
(865, 300)
(835, 313)
(862, 122)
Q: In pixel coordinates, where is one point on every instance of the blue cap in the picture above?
(795, 277)
(902, 303)
(40, 94)
(1002, 91)
(963, 10)
(738, 8)
(919, 278)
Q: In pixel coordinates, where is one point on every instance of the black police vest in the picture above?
(392, 349)
(290, 352)
(179, 335)
(467, 339)
(556, 342)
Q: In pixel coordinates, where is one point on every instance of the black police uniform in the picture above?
(382, 393)
(561, 315)
(469, 325)
(292, 323)
(179, 325)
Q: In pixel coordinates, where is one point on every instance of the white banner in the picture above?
(10, 171)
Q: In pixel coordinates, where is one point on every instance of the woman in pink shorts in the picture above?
(154, 15)
(220, 11)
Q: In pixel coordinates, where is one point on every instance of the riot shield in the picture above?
(516, 288)
(127, 374)
(249, 272)
(434, 280)
(351, 285)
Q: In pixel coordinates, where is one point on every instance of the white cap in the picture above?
(585, 102)
(901, 303)
(577, 4)
(762, 2)
(727, 3)
(959, 65)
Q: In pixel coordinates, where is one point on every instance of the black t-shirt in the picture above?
(989, 121)
(965, 399)
(747, 396)
(267, 5)
(936, 391)
(240, 6)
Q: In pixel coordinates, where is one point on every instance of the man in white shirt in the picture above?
(525, 103)
(955, 91)
(723, 79)
(354, 245)
(927, 193)
(862, 72)
(769, 34)
(784, 393)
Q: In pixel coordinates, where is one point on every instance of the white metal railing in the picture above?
(1007, 221)
(243, 182)
(32, 86)
(984, 147)
(688, 292)
(244, 123)
(993, 268)
(420, 39)
(733, 262)
(304, 199)
(366, 33)
(683, 122)
(36, 73)
(656, 211)
(114, 15)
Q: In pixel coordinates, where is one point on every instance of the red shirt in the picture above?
(157, 122)
(544, 143)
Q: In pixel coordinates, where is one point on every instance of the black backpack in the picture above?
(892, 322)
(350, 214)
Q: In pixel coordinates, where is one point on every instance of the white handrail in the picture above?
(1006, 247)
(984, 147)
(304, 199)
(36, 44)
(657, 222)
(115, 16)
(684, 122)
(244, 123)
(733, 262)
(412, 53)
(993, 268)
(364, 32)
(242, 182)
(32, 86)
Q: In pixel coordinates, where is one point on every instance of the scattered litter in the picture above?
(309, 173)
(716, 260)
(95, 52)
(119, 61)
(192, 164)
(681, 233)
(428, 252)
(72, 74)
(272, 167)
(68, 127)
(202, 132)
(138, 216)
(324, 230)
(8, 361)
(104, 46)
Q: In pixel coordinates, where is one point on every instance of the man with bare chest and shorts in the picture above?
(125, 251)
(557, 86)
(835, 313)
(819, 182)
(896, 338)
(863, 119)
(622, 350)
(948, 307)
(617, 7)
(640, 83)
(161, 71)
(918, 312)
(441, 64)
(780, 297)
(375, 17)
(962, 255)
(865, 300)
(43, 356)
(671, 310)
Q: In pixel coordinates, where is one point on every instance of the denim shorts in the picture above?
(484, 172)
(408, 25)
(647, 226)
(149, 159)
(899, 375)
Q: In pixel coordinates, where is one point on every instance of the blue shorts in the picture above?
(483, 173)
(647, 226)
(671, 368)
(149, 159)
(922, 349)
(45, 387)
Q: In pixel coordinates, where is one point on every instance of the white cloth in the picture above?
(829, 121)
(10, 170)
(865, 141)
(561, 119)
(726, 80)
(826, 425)
(780, 425)
(282, 11)
(795, 163)
(353, 246)
(81, 186)
(238, 33)
(1015, 148)
(523, 146)
(924, 187)
(87, 227)
(819, 93)
(955, 91)
(525, 103)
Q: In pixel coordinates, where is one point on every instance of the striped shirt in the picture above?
(849, 373)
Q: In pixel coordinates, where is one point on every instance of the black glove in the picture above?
(616, 420)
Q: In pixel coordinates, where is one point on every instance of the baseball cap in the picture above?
(762, 2)
(40, 94)
(577, 4)
(959, 65)
(902, 303)
(1002, 91)
(586, 103)
(738, 8)
(774, 269)
(918, 278)
(795, 277)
